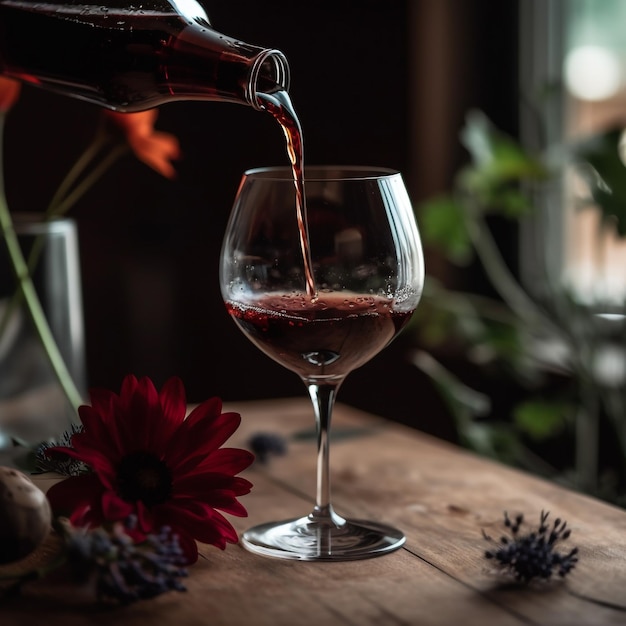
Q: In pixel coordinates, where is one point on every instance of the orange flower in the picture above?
(9, 93)
(155, 148)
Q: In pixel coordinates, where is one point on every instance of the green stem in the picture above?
(62, 204)
(27, 289)
(587, 419)
(78, 168)
(502, 279)
(587, 437)
(64, 199)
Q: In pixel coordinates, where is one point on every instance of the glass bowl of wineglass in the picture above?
(321, 276)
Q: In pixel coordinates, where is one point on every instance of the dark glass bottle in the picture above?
(133, 57)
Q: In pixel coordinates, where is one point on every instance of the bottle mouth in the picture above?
(269, 74)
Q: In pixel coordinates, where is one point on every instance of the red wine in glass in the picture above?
(321, 283)
(321, 337)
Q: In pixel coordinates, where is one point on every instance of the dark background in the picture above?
(375, 82)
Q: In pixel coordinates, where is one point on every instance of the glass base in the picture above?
(309, 539)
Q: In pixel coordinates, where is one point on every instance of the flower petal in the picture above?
(173, 404)
(111, 411)
(207, 436)
(9, 93)
(114, 508)
(173, 400)
(102, 401)
(188, 545)
(96, 429)
(75, 492)
(226, 461)
(139, 415)
(202, 522)
(145, 518)
(154, 148)
(224, 501)
(211, 409)
(99, 463)
(199, 485)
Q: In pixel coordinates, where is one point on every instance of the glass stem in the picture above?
(323, 398)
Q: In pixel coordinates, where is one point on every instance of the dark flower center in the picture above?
(143, 476)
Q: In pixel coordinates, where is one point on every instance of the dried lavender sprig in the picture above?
(123, 571)
(533, 555)
(266, 445)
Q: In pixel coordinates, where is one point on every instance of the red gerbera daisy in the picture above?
(151, 461)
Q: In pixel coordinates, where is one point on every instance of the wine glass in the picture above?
(321, 287)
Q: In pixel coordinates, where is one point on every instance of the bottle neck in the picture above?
(269, 73)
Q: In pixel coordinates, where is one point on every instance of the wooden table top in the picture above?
(441, 496)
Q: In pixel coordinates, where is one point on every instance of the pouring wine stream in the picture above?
(367, 283)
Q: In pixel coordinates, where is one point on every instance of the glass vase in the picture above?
(33, 406)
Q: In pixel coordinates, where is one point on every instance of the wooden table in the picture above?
(442, 497)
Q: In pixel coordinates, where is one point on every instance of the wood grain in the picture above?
(442, 497)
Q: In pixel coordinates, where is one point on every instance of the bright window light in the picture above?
(592, 73)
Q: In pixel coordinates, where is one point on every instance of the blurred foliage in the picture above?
(557, 402)
(600, 161)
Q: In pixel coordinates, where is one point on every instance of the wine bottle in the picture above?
(133, 57)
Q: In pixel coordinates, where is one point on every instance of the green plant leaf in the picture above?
(495, 441)
(541, 419)
(504, 339)
(497, 157)
(442, 224)
(599, 162)
(499, 164)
